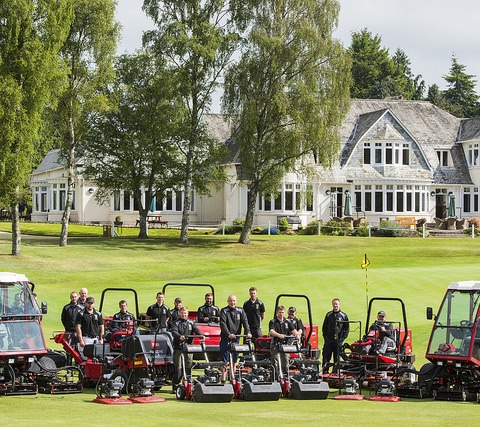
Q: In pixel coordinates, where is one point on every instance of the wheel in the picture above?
(120, 377)
(180, 392)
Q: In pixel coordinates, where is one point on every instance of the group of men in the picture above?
(86, 324)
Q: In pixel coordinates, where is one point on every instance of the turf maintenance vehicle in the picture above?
(252, 380)
(26, 364)
(134, 361)
(361, 366)
(453, 370)
(205, 388)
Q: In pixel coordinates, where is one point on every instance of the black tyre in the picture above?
(181, 392)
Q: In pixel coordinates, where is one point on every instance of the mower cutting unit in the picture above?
(204, 388)
(303, 379)
(252, 380)
(453, 371)
(26, 365)
(360, 364)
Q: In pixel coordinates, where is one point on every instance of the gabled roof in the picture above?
(50, 162)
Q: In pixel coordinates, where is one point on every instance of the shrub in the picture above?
(389, 229)
(283, 224)
(337, 228)
(238, 225)
(361, 231)
(311, 229)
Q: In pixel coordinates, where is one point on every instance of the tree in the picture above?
(409, 87)
(198, 38)
(287, 94)
(31, 34)
(435, 96)
(371, 63)
(130, 147)
(460, 96)
(88, 55)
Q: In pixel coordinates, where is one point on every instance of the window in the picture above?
(473, 155)
(387, 153)
(366, 153)
(467, 199)
(443, 158)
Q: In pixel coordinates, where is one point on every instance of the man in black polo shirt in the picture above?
(159, 312)
(208, 312)
(255, 311)
(280, 329)
(232, 318)
(89, 326)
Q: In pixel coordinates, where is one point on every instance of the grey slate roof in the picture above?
(50, 162)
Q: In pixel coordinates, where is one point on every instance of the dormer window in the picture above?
(444, 159)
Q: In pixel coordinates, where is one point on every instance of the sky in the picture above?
(428, 31)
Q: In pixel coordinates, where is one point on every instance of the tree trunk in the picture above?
(247, 226)
(187, 198)
(143, 232)
(16, 236)
(71, 174)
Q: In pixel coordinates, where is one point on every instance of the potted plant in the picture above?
(118, 221)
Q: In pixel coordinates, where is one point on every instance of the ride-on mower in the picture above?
(361, 365)
(26, 365)
(140, 362)
(453, 371)
(204, 388)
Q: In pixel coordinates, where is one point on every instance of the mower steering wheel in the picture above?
(466, 324)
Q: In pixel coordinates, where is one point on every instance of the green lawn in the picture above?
(415, 270)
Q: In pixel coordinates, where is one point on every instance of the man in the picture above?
(297, 322)
(158, 312)
(122, 321)
(82, 297)
(173, 315)
(384, 334)
(182, 331)
(335, 330)
(69, 317)
(232, 318)
(89, 326)
(208, 313)
(280, 329)
(255, 311)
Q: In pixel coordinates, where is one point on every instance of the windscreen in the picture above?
(452, 332)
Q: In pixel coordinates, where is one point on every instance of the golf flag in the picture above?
(365, 262)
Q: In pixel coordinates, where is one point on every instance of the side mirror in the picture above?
(44, 307)
(429, 313)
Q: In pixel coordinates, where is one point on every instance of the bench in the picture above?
(406, 221)
(153, 220)
(292, 220)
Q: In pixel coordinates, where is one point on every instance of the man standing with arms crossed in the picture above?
(255, 311)
(335, 330)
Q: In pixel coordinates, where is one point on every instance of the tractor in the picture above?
(453, 370)
(26, 364)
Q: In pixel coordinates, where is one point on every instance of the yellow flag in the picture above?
(365, 262)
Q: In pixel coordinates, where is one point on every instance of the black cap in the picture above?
(381, 313)
(292, 310)
(90, 299)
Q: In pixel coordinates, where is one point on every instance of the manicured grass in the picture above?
(415, 270)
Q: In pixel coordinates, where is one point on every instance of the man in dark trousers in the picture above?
(280, 328)
(335, 330)
(208, 312)
(69, 317)
(255, 311)
(232, 318)
(182, 331)
(158, 312)
(89, 326)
